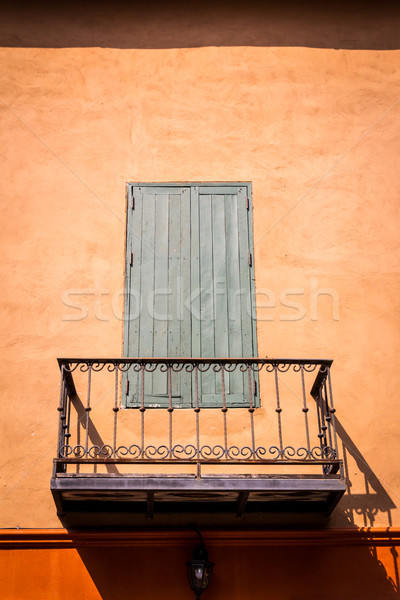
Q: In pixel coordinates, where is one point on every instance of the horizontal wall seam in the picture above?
(58, 538)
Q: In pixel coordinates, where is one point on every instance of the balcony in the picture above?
(137, 459)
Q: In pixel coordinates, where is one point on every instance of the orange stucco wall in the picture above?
(313, 124)
(244, 568)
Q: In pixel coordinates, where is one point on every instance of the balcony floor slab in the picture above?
(85, 500)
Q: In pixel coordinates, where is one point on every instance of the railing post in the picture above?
(197, 411)
(62, 415)
(251, 412)
(319, 414)
(324, 419)
(142, 411)
(278, 410)
(170, 410)
(332, 421)
(115, 410)
(305, 411)
(88, 409)
(327, 416)
(224, 410)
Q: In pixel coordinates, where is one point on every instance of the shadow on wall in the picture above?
(279, 570)
(369, 504)
(374, 499)
(123, 24)
(86, 428)
(291, 571)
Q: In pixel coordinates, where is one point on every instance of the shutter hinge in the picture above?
(247, 204)
(250, 260)
(127, 387)
(133, 203)
(131, 259)
(255, 387)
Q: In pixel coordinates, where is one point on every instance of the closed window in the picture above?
(189, 287)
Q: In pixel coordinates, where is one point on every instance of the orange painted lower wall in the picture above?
(333, 565)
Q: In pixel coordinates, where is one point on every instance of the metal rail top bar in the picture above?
(204, 461)
(191, 360)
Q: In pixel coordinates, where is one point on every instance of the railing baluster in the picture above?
(78, 447)
(115, 409)
(61, 410)
(142, 411)
(67, 404)
(170, 411)
(278, 410)
(305, 411)
(88, 409)
(251, 411)
(323, 422)
(320, 422)
(327, 416)
(197, 411)
(332, 411)
(224, 410)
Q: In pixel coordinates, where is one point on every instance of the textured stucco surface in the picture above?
(316, 132)
(242, 571)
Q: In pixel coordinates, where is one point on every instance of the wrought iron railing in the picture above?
(292, 423)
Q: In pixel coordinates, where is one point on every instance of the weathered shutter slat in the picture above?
(220, 285)
(174, 268)
(183, 291)
(219, 276)
(207, 310)
(147, 267)
(234, 290)
(160, 287)
(247, 337)
(195, 284)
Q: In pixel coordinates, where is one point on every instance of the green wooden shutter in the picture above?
(157, 323)
(190, 287)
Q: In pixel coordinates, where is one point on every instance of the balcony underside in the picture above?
(159, 501)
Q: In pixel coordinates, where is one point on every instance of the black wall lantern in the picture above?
(199, 569)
